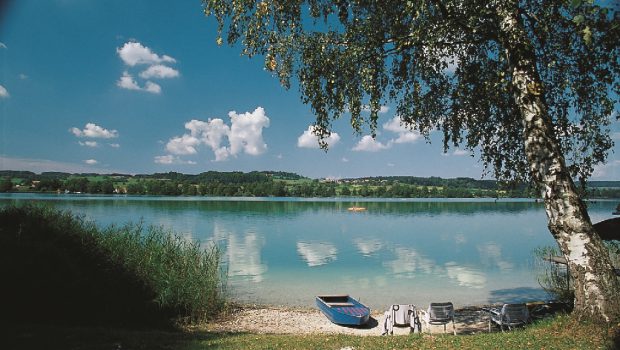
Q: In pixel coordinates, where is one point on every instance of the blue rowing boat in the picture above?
(343, 310)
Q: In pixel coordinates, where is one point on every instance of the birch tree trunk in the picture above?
(597, 289)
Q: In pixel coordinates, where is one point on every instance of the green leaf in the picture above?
(578, 19)
(575, 3)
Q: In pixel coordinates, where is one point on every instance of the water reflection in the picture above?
(466, 276)
(317, 253)
(243, 253)
(408, 261)
(368, 247)
(491, 255)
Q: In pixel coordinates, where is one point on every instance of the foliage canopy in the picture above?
(442, 64)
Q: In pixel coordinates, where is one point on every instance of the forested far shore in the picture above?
(275, 184)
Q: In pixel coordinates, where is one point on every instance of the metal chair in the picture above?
(510, 315)
(439, 314)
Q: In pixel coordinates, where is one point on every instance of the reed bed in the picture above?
(62, 268)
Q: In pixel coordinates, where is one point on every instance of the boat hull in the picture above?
(343, 310)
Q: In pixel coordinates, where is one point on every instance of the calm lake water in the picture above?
(285, 251)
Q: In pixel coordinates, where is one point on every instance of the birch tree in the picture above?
(530, 85)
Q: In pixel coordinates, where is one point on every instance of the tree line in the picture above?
(273, 184)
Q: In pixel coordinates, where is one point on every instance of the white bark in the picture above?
(596, 287)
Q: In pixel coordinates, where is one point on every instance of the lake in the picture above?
(284, 251)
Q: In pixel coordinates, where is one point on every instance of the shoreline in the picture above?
(293, 320)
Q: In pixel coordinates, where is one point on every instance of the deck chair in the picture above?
(400, 315)
(439, 314)
(509, 315)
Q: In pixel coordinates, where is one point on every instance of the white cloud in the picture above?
(152, 87)
(4, 93)
(2, 46)
(345, 159)
(128, 82)
(94, 131)
(91, 161)
(170, 159)
(133, 53)
(460, 152)
(89, 143)
(159, 71)
(183, 145)
(382, 109)
(309, 140)
(610, 170)
(115, 145)
(246, 132)
(23, 76)
(369, 144)
(167, 159)
(404, 134)
(244, 135)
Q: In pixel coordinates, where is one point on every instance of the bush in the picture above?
(57, 267)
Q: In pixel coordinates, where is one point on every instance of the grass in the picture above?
(562, 332)
(57, 267)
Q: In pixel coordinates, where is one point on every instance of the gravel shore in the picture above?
(287, 320)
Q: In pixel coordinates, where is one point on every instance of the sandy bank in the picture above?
(286, 320)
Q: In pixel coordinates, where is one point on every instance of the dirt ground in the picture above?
(286, 320)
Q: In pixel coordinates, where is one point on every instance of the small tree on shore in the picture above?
(531, 84)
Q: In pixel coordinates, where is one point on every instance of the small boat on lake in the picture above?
(356, 209)
(343, 309)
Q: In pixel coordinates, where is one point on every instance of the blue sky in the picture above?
(142, 87)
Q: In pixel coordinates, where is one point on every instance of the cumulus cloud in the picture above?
(4, 93)
(135, 54)
(152, 87)
(91, 161)
(244, 135)
(369, 144)
(404, 135)
(94, 131)
(170, 159)
(115, 145)
(126, 81)
(89, 143)
(309, 140)
(159, 71)
(183, 145)
(246, 132)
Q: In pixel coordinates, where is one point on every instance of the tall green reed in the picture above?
(60, 267)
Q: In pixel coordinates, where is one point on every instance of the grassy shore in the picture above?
(560, 333)
(57, 267)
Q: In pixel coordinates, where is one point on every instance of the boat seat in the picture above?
(339, 304)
